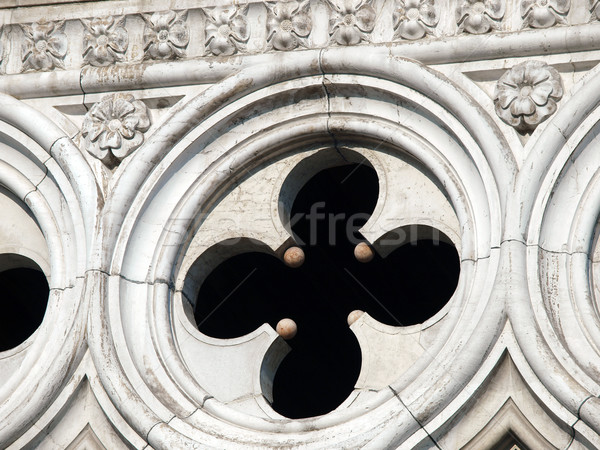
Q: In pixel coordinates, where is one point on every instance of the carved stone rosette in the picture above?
(288, 24)
(351, 21)
(45, 46)
(413, 19)
(478, 17)
(544, 13)
(527, 94)
(105, 40)
(114, 127)
(166, 35)
(227, 30)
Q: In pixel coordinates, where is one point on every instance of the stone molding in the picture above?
(248, 30)
(119, 162)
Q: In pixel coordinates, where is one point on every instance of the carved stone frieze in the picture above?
(105, 40)
(544, 13)
(351, 21)
(413, 19)
(227, 30)
(44, 45)
(114, 127)
(527, 94)
(166, 35)
(288, 24)
(478, 17)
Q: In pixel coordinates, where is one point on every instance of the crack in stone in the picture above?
(328, 95)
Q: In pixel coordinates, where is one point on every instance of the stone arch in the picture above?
(43, 170)
(554, 233)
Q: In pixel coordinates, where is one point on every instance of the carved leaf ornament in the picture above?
(478, 17)
(288, 24)
(227, 30)
(351, 21)
(544, 13)
(166, 35)
(45, 46)
(105, 40)
(413, 19)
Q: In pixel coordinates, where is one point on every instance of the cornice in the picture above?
(578, 42)
(73, 38)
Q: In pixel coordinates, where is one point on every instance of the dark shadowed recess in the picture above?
(407, 287)
(23, 298)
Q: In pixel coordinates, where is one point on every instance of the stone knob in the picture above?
(354, 316)
(363, 252)
(287, 328)
(293, 257)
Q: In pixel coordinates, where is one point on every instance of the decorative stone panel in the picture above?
(477, 17)
(105, 40)
(443, 102)
(166, 35)
(351, 21)
(227, 30)
(44, 46)
(288, 24)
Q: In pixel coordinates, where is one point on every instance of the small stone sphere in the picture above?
(354, 316)
(293, 257)
(287, 328)
(363, 252)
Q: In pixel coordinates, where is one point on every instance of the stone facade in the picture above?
(136, 137)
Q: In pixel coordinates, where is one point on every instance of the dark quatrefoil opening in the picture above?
(24, 296)
(407, 287)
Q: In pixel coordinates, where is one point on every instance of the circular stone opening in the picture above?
(24, 295)
(409, 284)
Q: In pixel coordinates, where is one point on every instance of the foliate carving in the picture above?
(166, 35)
(105, 40)
(45, 45)
(544, 13)
(527, 94)
(288, 24)
(114, 127)
(413, 19)
(351, 21)
(478, 17)
(227, 30)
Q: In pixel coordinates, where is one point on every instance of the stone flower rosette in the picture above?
(413, 19)
(166, 35)
(544, 13)
(351, 21)
(114, 127)
(105, 40)
(288, 24)
(227, 30)
(45, 45)
(479, 17)
(527, 94)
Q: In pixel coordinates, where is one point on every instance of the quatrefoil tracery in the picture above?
(410, 285)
